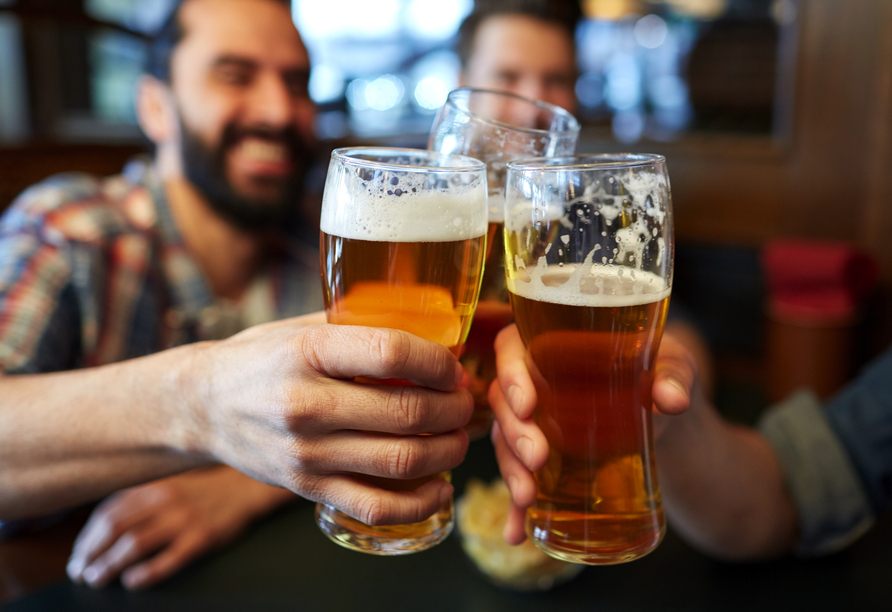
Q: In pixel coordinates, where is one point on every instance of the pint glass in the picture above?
(496, 127)
(589, 247)
(403, 239)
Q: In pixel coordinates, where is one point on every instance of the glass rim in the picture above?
(346, 155)
(595, 161)
(574, 127)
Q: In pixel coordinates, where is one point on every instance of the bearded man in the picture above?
(205, 239)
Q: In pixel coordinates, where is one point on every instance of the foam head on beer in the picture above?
(387, 202)
(609, 230)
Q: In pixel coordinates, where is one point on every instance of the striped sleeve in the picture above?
(35, 291)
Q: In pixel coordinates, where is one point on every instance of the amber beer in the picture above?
(496, 127)
(492, 315)
(594, 350)
(403, 239)
(426, 288)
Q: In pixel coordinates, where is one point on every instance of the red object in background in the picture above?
(815, 290)
(817, 281)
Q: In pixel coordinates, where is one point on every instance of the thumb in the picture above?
(676, 377)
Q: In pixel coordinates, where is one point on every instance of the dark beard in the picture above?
(205, 168)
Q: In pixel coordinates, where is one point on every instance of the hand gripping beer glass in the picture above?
(496, 127)
(589, 247)
(403, 238)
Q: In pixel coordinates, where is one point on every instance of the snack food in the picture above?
(481, 514)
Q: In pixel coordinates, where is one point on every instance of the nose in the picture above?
(533, 89)
(270, 102)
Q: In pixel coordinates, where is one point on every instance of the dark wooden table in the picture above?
(285, 563)
(36, 557)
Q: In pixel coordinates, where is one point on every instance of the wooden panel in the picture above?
(24, 166)
(826, 171)
(841, 68)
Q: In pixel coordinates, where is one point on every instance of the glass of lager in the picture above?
(403, 239)
(589, 250)
(496, 127)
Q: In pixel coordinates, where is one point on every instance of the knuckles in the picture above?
(403, 459)
(134, 545)
(372, 510)
(407, 409)
(391, 348)
(303, 459)
(301, 410)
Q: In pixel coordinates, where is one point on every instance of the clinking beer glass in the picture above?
(496, 127)
(589, 248)
(403, 239)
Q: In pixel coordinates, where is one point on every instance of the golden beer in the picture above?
(492, 315)
(598, 500)
(496, 127)
(426, 288)
(403, 239)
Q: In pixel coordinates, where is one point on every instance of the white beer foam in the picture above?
(421, 216)
(646, 193)
(590, 285)
(496, 205)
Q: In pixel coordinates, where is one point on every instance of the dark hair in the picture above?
(166, 39)
(163, 42)
(565, 13)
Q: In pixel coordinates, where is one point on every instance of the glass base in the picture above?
(591, 555)
(386, 540)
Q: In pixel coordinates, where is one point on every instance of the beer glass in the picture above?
(589, 248)
(496, 127)
(403, 239)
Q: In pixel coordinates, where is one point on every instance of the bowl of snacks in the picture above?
(481, 514)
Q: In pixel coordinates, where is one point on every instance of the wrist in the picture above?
(681, 430)
(188, 386)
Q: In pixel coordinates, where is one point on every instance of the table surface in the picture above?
(285, 563)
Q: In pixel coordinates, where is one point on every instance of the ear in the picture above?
(155, 110)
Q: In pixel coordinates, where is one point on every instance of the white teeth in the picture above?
(263, 150)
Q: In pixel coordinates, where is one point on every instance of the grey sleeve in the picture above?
(834, 509)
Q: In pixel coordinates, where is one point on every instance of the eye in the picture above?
(560, 80)
(297, 84)
(508, 78)
(238, 76)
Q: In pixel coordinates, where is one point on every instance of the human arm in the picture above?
(722, 485)
(277, 402)
(147, 533)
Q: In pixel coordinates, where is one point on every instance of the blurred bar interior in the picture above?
(775, 117)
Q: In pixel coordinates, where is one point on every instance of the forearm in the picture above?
(723, 487)
(70, 437)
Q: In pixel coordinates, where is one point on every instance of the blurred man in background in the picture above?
(528, 48)
(196, 244)
(521, 46)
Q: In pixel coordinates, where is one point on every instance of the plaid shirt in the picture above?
(94, 271)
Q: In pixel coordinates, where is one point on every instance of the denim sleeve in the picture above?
(861, 415)
(834, 508)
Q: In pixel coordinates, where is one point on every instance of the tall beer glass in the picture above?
(589, 247)
(496, 127)
(403, 239)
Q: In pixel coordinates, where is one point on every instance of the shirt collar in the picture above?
(191, 294)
